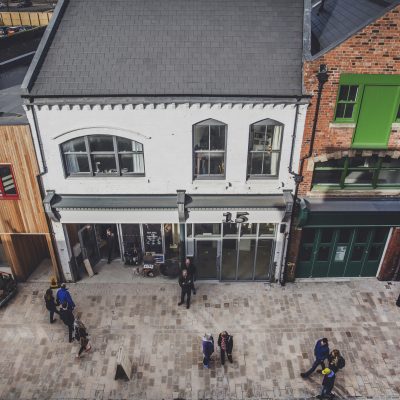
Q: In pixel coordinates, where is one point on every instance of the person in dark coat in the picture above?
(63, 296)
(82, 336)
(327, 383)
(186, 284)
(321, 353)
(68, 318)
(110, 239)
(398, 301)
(225, 343)
(191, 271)
(208, 349)
(336, 361)
(51, 304)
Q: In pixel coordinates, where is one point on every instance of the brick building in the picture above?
(349, 210)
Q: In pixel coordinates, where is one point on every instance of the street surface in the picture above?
(274, 331)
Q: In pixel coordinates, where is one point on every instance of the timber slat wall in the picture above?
(25, 18)
(25, 215)
(24, 231)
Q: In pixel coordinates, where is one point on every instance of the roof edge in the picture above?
(353, 32)
(43, 47)
(307, 30)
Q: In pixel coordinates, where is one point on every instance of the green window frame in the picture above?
(398, 114)
(359, 80)
(371, 172)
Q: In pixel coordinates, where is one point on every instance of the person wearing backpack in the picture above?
(81, 335)
(336, 361)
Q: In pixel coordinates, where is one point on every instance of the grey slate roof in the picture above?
(11, 111)
(339, 19)
(175, 47)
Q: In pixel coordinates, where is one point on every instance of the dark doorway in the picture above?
(108, 245)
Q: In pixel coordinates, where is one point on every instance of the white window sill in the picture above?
(342, 125)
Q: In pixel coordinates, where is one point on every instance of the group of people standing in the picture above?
(76, 328)
(335, 363)
(225, 343)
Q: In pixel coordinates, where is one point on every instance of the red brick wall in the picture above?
(373, 50)
(392, 257)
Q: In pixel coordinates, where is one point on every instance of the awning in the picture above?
(182, 202)
(199, 201)
(113, 201)
(349, 212)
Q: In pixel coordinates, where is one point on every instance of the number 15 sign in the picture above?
(240, 217)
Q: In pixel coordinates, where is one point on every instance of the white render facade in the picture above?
(166, 132)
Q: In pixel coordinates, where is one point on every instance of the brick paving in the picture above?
(274, 333)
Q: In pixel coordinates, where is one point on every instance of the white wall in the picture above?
(166, 134)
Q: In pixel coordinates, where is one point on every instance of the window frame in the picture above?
(264, 176)
(356, 102)
(88, 153)
(209, 151)
(341, 185)
(362, 80)
(3, 194)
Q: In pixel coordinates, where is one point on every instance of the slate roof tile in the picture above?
(181, 47)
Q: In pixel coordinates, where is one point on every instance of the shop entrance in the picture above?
(207, 259)
(232, 252)
(108, 244)
(341, 252)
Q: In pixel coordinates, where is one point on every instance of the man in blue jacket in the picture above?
(321, 352)
(63, 296)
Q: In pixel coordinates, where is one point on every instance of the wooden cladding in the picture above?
(25, 215)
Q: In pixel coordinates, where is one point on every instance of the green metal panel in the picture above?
(369, 79)
(342, 252)
(378, 110)
(354, 218)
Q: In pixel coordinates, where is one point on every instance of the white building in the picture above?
(178, 130)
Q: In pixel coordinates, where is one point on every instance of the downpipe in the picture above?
(322, 77)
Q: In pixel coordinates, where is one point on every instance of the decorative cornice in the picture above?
(163, 106)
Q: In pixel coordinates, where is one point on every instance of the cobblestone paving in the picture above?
(274, 333)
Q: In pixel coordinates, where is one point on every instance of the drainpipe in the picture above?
(322, 77)
(39, 180)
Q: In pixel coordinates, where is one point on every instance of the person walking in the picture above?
(63, 296)
(398, 301)
(68, 318)
(321, 353)
(208, 349)
(186, 284)
(191, 271)
(225, 343)
(51, 304)
(336, 361)
(81, 335)
(327, 383)
(110, 239)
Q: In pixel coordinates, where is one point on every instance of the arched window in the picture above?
(264, 148)
(103, 155)
(359, 171)
(209, 149)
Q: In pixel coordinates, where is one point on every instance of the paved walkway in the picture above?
(274, 333)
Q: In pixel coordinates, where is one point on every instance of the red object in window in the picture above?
(8, 186)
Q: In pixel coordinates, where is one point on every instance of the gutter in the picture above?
(322, 77)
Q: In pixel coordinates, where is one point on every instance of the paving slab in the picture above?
(274, 330)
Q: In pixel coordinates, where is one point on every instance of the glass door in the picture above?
(207, 259)
(88, 242)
